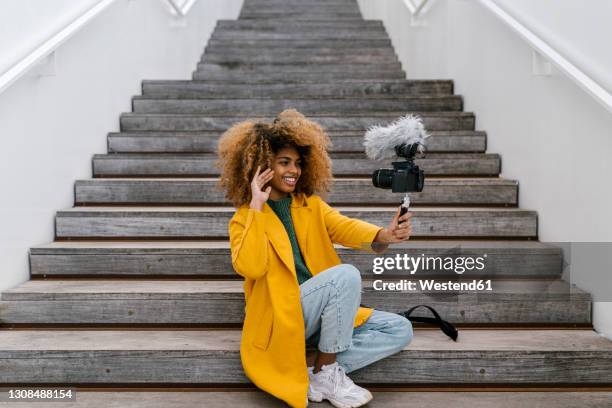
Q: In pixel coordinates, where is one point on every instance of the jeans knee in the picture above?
(350, 276)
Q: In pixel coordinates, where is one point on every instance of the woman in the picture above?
(296, 289)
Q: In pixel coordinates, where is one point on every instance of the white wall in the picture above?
(553, 138)
(51, 126)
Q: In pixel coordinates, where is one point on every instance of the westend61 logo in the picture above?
(412, 264)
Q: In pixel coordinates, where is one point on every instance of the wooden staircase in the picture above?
(138, 292)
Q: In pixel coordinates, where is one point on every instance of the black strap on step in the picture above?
(445, 326)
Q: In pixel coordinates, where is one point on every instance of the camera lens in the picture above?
(382, 178)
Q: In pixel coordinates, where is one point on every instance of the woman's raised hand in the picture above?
(259, 197)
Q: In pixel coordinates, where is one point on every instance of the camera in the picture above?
(405, 176)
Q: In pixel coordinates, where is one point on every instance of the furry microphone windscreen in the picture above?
(380, 141)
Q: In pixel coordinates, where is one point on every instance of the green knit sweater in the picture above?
(282, 210)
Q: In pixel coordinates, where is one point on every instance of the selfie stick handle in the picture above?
(405, 205)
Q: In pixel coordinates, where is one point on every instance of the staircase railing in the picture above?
(415, 9)
(182, 10)
(585, 82)
(48, 46)
(590, 86)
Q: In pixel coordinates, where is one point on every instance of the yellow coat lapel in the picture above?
(301, 214)
(278, 237)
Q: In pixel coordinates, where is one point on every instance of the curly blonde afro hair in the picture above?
(249, 144)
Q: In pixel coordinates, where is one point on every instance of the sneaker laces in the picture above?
(340, 378)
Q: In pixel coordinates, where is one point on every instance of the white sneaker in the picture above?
(331, 383)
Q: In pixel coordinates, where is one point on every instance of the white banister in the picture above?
(48, 46)
(22, 66)
(585, 82)
(184, 9)
(415, 10)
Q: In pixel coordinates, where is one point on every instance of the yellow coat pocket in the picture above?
(263, 333)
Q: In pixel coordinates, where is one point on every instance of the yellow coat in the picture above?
(272, 348)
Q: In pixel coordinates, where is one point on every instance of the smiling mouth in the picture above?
(290, 180)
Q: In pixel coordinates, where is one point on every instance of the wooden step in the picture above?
(491, 357)
(345, 141)
(275, 68)
(295, 81)
(274, 25)
(313, 3)
(293, 49)
(205, 191)
(344, 165)
(505, 259)
(212, 222)
(296, 55)
(235, 49)
(188, 302)
(306, 9)
(295, 58)
(440, 141)
(293, 44)
(187, 89)
(276, 13)
(300, 15)
(291, 76)
(289, 17)
(312, 34)
(389, 399)
(264, 106)
(431, 120)
(375, 28)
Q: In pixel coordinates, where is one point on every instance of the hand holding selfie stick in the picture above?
(404, 207)
(402, 138)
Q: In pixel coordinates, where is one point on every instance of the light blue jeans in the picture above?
(330, 301)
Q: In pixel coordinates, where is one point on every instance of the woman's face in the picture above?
(287, 167)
